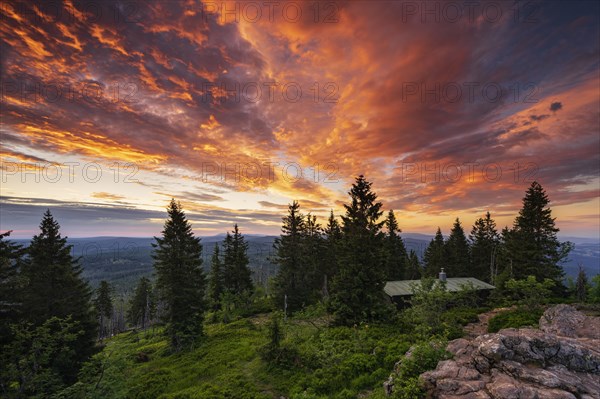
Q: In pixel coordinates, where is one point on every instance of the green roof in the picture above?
(405, 287)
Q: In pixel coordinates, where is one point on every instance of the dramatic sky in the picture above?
(110, 109)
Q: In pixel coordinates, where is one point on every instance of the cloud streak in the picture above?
(175, 89)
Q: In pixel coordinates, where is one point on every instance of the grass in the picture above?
(325, 362)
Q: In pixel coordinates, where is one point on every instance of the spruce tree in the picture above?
(581, 286)
(333, 236)
(180, 279)
(104, 307)
(10, 308)
(216, 283)
(484, 246)
(357, 291)
(54, 288)
(413, 270)
(435, 256)
(313, 248)
(238, 276)
(395, 251)
(457, 252)
(142, 305)
(10, 285)
(532, 247)
(291, 281)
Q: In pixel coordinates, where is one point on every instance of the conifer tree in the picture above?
(10, 285)
(581, 286)
(435, 255)
(142, 306)
(414, 269)
(237, 274)
(395, 251)
(180, 279)
(313, 248)
(484, 246)
(10, 308)
(291, 281)
(333, 236)
(457, 252)
(357, 291)
(54, 288)
(104, 307)
(216, 283)
(532, 247)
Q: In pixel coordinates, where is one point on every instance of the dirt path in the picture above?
(473, 330)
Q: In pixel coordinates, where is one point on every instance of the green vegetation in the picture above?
(357, 290)
(396, 257)
(338, 337)
(237, 276)
(516, 318)
(318, 362)
(528, 292)
(295, 283)
(104, 308)
(180, 279)
(594, 296)
(50, 328)
(435, 255)
(142, 307)
(422, 357)
(457, 251)
(216, 280)
(484, 243)
(531, 247)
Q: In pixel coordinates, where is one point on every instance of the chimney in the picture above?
(443, 275)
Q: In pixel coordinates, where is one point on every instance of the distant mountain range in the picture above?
(123, 260)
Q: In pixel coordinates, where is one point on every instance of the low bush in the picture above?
(516, 318)
(423, 356)
(462, 315)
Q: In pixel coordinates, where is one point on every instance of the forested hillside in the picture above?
(123, 260)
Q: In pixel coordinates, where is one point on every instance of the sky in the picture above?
(450, 108)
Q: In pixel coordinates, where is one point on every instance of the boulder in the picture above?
(561, 360)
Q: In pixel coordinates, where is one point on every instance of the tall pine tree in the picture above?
(457, 252)
(357, 292)
(532, 246)
(291, 282)
(216, 279)
(11, 283)
(180, 279)
(238, 276)
(142, 306)
(314, 248)
(484, 246)
(333, 236)
(104, 308)
(413, 269)
(395, 251)
(435, 255)
(54, 288)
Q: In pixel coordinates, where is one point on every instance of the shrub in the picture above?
(595, 290)
(422, 357)
(520, 317)
(529, 292)
(461, 316)
(410, 389)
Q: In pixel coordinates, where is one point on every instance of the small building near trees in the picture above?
(401, 291)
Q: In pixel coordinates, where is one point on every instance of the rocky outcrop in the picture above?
(561, 360)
